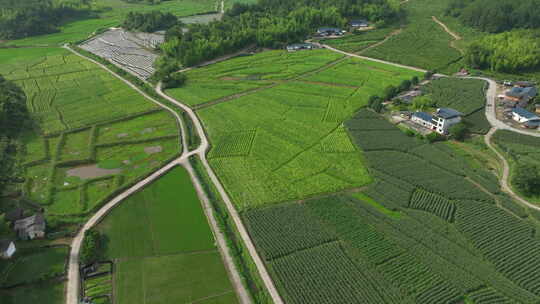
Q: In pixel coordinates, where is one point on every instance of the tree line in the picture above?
(496, 16)
(150, 22)
(13, 118)
(268, 23)
(31, 18)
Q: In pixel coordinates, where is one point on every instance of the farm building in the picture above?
(7, 249)
(329, 31)
(300, 46)
(30, 228)
(524, 84)
(359, 23)
(408, 96)
(518, 94)
(440, 121)
(522, 116)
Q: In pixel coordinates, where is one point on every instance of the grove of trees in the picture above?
(497, 15)
(149, 22)
(269, 23)
(514, 51)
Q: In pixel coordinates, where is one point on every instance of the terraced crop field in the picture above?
(160, 238)
(94, 134)
(287, 142)
(422, 233)
(247, 73)
(422, 43)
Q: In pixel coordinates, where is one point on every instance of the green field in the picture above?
(94, 134)
(33, 266)
(112, 13)
(46, 293)
(465, 95)
(359, 41)
(424, 232)
(163, 247)
(422, 43)
(246, 73)
(286, 142)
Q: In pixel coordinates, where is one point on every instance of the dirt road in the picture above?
(451, 33)
(73, 285)
(201, 151)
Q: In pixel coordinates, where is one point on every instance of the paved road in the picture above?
(248, 243)
(73, 285)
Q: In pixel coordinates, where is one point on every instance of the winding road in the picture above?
(73, 285)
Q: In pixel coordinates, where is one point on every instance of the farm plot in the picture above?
(97, 133)
(98, 286)
(129, 51)
(43, 293)
(422, 43)
(67, 92)
(162, 235)
(287, 142)
(33, 266)
(465, 95)
(247, 73)
(359, 41)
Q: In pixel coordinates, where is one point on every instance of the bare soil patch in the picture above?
(91, 171)
(153, 149)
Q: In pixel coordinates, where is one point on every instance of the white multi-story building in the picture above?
(440, 121)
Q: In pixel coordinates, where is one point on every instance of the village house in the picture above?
(524, 84)
(329, 31)
(359, 24)
(300, 46)
(7, 249)
(30, 228)
(519, 96)
(440, 121)
(523, 116)
(537, 109)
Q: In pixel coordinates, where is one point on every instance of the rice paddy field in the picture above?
(287, 142)
(163, 247)
(94, 134)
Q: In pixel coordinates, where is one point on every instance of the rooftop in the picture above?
(521, 92)
(526, 114)
(448, 113)
(4, 245)
(423, 115)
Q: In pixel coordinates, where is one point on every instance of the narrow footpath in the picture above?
(73, 285)
(451, 33)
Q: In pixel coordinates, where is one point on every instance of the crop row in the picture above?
(464, 95)
(506, 241)
(433, 203)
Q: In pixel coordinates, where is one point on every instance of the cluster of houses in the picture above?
(516, 99)
(301, 46)
(440, 121)
(25, 227)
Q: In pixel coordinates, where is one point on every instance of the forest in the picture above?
(496, 16)
(514, 51)
(19, 19)
(269, 23)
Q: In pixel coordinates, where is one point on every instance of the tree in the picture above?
(91, 247)
(415, 80)
(422, 103)
(174, 80)
(405, 85)
(434, 137)
(458, 131)
(527, 179)
(390, 92)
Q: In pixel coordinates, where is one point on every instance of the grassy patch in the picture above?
(36, 265)
(368, 200)
(46, 293)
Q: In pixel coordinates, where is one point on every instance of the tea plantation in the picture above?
(424, 232)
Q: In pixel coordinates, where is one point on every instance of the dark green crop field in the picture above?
(424, 232)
